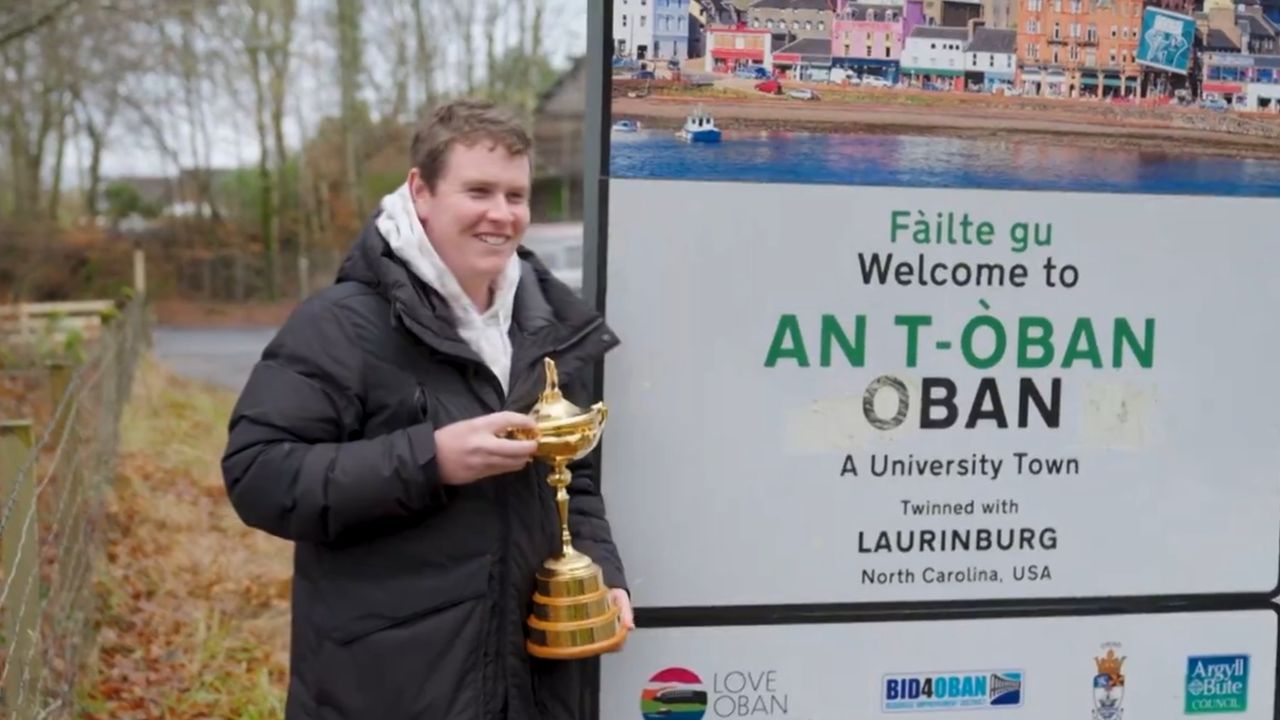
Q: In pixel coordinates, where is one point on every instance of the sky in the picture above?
(235, 142)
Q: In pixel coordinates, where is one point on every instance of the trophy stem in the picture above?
(559, 479)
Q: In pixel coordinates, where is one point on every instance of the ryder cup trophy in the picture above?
(572, 614)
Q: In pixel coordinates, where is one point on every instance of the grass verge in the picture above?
(193, 604)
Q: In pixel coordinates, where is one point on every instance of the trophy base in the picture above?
(572, 615)
(579, 652)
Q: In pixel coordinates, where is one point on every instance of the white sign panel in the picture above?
(858, 394)
(1049, 668)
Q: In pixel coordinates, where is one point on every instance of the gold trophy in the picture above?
(572, 614)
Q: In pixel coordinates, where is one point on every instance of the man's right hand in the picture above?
(469, 450)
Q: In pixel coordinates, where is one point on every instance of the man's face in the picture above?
(478, 212)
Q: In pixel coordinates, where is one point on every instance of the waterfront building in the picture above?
(1000, 14)
(934, 56)
(868, 38)
(792, 20)
(1246, 82)
(1070, 48)
(633, 29)
(671, 29)
(808, 60)
(991, 58)
(729, 47)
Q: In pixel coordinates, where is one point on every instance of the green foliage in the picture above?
(239, 192)
(377, 184)
(124, 200)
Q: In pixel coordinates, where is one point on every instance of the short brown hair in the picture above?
(465, 122)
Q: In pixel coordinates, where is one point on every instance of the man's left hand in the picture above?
(622, 601)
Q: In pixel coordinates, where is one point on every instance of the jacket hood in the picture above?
(544, 305)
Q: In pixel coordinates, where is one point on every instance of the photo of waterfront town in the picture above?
(1136, 96)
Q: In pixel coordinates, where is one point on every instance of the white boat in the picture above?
(627, 126)
(699, 127)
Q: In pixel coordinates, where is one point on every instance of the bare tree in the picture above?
(426, 51)
(493, 12)
(18, 25)
(349, 71)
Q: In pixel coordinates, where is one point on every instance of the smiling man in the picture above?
(371, 433)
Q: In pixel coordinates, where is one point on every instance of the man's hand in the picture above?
(469, 450)
(622, 601)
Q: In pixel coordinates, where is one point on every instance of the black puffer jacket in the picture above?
(410, 597)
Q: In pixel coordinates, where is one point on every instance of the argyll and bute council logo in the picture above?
(1217, 684)
(674, 694)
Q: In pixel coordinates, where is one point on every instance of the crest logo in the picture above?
(1108, 685)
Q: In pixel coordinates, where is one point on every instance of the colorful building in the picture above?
(991, 58)
(731, 47)
(633, 29)
(868, 38)
(671, 29)
(1073, 48)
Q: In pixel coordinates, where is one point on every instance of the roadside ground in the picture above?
(193, 604)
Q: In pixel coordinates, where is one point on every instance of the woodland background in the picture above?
(261, 132)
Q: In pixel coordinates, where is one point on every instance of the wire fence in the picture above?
(52, 510)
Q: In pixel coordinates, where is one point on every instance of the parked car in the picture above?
(1215, 103)
(752, 72)
(875, 81)
(771, 87)
(803, 94)
(560, 246)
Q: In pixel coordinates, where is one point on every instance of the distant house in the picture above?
(791, 20)
(991, 58)
(732, 47)
(717, 12)
(558, 135)
(633, 29)
(868, 38)
(671, 29)
(935, 55)
(808, 59)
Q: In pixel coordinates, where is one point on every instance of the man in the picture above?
(372, 433)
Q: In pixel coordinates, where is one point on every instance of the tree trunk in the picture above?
(95, 169)
(55, 186)
(266, 199)
(426, 55)
(491, 15)
(281, 41)
(348, 18)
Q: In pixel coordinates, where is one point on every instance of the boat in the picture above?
(699, 127)
(627, 126)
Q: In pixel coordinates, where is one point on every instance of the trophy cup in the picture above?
(572, 615)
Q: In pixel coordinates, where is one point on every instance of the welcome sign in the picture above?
(897, 346)
(1060, 417)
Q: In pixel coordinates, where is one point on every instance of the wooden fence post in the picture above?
(20, 555)
(59, 378)
(139, 271)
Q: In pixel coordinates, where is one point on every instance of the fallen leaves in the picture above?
(194, 605)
